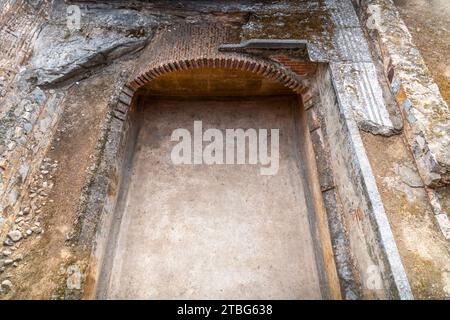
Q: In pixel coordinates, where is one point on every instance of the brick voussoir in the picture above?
(264, 69)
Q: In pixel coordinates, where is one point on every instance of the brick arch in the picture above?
(260, 67)
(194, 46)
(189, 46)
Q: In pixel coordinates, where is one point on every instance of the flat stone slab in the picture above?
(357, 88)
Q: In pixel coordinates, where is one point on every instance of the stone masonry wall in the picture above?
(425, 113)
(427, 117)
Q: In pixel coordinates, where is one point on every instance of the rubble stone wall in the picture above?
(426, 114)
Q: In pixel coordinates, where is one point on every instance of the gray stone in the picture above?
(44, 124)
(27, 116)
(420, 142)
(27, 127)
(18, 132)
(351, 81)
(19, 109)
(15, 235)
(325, 175)
(74, 278)
(12, 197)
(409, 176)
(351, 45)
(36, 229)
(350, 295)
(59, 58)
(22, 140)
(8, 242)
(11, 145)
(25, 80)
(23, 170)
(6, 284)
(8, 262)
(38, 96)
(29, 107)
(444, 224)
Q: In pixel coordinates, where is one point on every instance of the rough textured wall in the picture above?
(60, 91)
(426, 114)
(45, 145)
